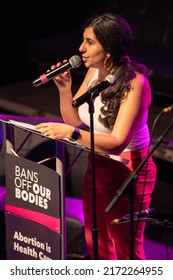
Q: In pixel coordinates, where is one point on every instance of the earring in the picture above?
(105, 62)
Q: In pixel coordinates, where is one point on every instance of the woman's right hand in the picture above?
(63, 81)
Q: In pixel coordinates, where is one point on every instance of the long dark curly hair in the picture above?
(115, 35)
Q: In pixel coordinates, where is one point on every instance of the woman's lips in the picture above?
(84, 59)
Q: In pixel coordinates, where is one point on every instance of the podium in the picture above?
(34, 200)
(35, 205)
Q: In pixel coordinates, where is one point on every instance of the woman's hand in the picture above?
(55, 130)
(63, 81)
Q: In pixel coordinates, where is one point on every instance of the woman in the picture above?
(120, 128)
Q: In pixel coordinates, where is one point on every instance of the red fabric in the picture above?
(114, 240)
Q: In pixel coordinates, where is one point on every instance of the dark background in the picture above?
(24, 21)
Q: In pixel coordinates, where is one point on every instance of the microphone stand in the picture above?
(95, 230)
(129, 184)
(89, 98)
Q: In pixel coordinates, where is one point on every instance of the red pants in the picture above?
(114, 240)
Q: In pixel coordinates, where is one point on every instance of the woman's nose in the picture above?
(82, 47)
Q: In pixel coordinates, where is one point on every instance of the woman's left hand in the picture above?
(55, 130)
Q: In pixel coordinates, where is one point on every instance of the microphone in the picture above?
(94, 92)
(168, 109)
(74, 62)
(137, 215)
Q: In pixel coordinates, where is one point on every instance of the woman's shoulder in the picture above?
(140, 80)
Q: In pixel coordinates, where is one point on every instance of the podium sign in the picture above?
(32, 198)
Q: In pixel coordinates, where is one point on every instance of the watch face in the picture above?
(75, 134)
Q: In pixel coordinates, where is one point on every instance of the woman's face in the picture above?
(93, 54)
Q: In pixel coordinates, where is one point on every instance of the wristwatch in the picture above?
(75, 134)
